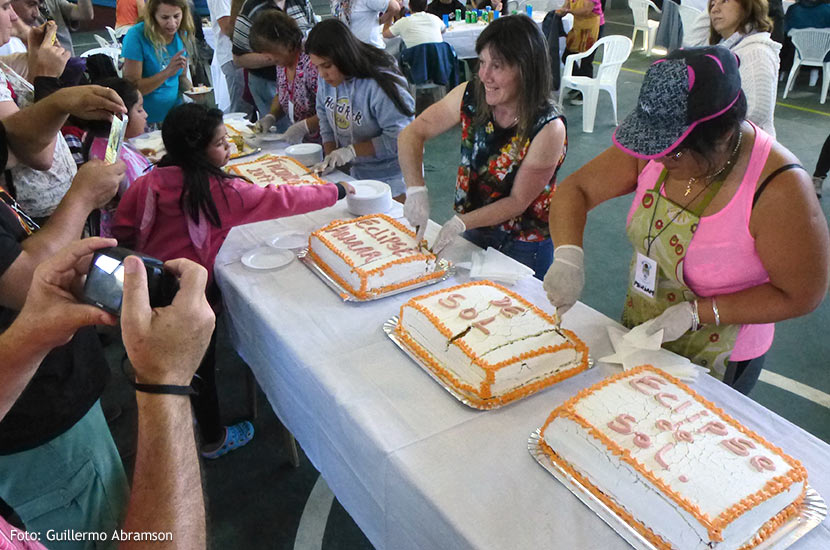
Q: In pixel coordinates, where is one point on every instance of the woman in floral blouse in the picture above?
(276, 34)
(513, 141)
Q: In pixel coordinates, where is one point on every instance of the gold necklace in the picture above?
(732, 158)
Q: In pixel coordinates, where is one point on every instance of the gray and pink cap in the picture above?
(679, 92)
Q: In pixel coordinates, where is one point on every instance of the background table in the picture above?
(414, 467)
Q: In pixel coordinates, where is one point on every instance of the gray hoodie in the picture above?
(359, 110)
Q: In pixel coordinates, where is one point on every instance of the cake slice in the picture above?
(672, 464)
(371, 255)
(489, 344)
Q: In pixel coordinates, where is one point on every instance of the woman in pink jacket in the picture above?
(185, 209)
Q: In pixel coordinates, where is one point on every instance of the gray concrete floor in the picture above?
(255, 500)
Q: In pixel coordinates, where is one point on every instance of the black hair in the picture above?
(187, 131)
(518, 41)
(417, 5)
(707, 137)
(100, 128)
(333, 40)
(273, 26)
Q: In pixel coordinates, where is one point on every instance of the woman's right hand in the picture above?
(565, 277)
(177, 63)
(416, 209)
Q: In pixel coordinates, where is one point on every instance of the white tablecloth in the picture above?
(414, 467)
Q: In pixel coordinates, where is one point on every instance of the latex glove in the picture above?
(675, 322)
(565, 277)
(416, 209)
(336, 158)
(264, 124)
(449, 231)
(295, 133)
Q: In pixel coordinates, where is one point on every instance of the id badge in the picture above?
(291, 111)
(645, 276)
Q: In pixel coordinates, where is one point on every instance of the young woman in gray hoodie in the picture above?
(362, 102)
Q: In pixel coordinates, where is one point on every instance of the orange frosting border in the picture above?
(715, 526)
(363, 292)
(482, 396)
(236, 168)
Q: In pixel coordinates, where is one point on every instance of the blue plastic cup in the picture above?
(446, 19)
(496, 14)
(529, 9)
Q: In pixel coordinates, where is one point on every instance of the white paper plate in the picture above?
(270, 136)
(370, 197)
(290, 240)
(236, 115)
(266, 257)
(200, 91)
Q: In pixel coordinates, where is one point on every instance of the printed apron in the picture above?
(662, 231)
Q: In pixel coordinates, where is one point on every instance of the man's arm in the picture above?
(82, 11)
(49, 318)
(167, 492)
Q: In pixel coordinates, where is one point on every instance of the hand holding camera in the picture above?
(166, 344)
(97, 182)
(51, 314)
(46, 55)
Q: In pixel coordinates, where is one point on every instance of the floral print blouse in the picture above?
(490, 159)
(302, 91)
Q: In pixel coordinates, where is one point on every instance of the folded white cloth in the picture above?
(634, 348)
(493, 265)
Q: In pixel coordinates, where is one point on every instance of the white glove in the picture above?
(295, 133)
(416, 209)
(449, 231)
(264, 124)
(675, 321)
(565, 277)
(336, 158)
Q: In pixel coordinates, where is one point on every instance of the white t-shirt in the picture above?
(13, 46)
(418, 28)
(364, 21)
(218, 9)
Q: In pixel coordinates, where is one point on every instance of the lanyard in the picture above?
(27, 223)
(711, 190)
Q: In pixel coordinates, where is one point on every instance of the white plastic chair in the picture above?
(811, 46)
(102, 42)
(113, 53)
(688, 15)
(617, 49)
(639, 9)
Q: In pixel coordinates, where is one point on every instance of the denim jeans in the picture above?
(537, 255)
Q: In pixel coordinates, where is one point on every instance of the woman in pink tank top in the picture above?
(719, 255)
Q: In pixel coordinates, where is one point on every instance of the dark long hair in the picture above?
(187, 131)
(100, 128)
(273, 26)
(708, 137)
(517, 40)
(333, 40)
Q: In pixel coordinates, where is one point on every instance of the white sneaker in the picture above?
(817, 183)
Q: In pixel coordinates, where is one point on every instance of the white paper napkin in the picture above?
(493, 265)
(634, 348)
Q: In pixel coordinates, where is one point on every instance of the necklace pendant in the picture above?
(688, 188)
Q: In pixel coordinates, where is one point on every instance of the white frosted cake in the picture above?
(672, 464)
(275, 170)
(488, 343)
(371, 255)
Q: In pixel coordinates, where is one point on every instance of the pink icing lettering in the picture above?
(504, 302)
(664, 425)
(738, 445)
(659, 456)
(648, 381)
(683, 435)
(468, 313)
(762, 463)
(622, 424)
(367, 221)
(339, 231)
(451, 301)
(480, 324)
(715, 427)
(642, 440)
(681, 406)
(510, 311)
(662, 397)
(683, 478)
(694, 417)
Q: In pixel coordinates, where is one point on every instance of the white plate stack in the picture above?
(370, 197)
